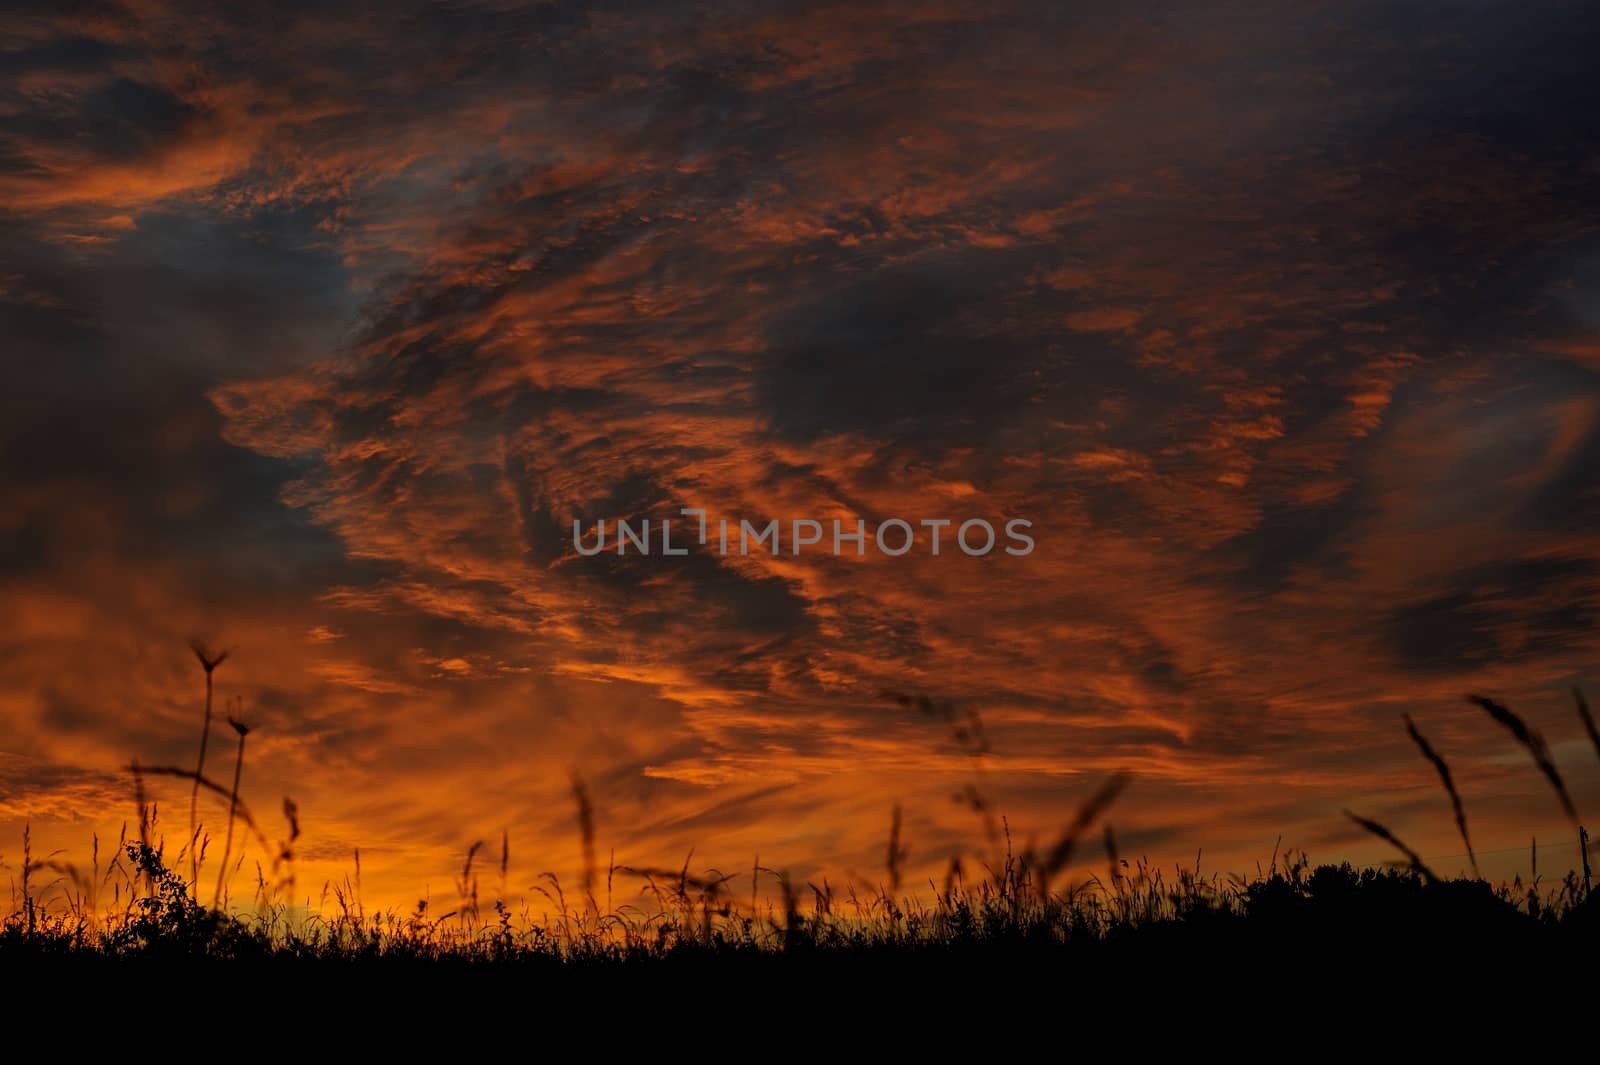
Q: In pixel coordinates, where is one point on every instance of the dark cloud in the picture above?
(128, 118)
(111, 444)
(903, 353)
(1500, 613)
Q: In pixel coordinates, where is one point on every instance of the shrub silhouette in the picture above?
(166, 920)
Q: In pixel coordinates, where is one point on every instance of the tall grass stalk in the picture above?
(1449, 783)
(209, 661)
(1534, 744)
(243, 730)
(1412, 857)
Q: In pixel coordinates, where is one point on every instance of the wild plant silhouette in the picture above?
(1017, 905)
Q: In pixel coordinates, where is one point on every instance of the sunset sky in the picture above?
(322, 322)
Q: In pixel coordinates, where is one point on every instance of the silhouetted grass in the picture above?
(1534, 744)
(1017, 907)
(209, 661)
(1446, 779)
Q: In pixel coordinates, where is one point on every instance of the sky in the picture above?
(321, 323)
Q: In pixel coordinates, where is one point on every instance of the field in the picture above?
(1003, 930)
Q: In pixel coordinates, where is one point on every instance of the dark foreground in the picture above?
(1333, 953)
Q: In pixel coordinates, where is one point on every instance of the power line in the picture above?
(1504, 850)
